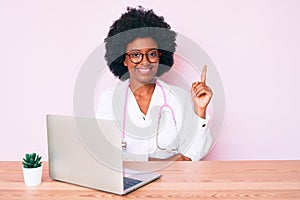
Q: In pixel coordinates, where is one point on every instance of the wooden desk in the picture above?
(181, 180)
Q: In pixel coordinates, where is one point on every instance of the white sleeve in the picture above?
(195, 137)
(104, 108)
(201, 141)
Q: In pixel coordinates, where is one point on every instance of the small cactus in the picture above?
(32, 160)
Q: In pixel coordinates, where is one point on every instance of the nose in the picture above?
(145, 59)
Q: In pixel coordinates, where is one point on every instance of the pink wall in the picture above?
(254, 45)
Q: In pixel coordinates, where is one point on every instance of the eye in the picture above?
(153, 54)
(135, 55)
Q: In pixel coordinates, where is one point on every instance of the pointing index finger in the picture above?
(203, 74)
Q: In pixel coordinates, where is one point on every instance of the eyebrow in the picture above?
(139, 50)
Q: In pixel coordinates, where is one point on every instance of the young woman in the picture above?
(158, 120)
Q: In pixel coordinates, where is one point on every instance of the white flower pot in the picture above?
(32, 176)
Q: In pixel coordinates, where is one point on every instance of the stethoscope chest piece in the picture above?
(124, 145)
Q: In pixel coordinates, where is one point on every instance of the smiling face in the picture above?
(145, 71)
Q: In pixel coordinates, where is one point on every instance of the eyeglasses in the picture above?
(152, 56)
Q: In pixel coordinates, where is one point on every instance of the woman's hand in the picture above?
(201, 94)
(176, 157)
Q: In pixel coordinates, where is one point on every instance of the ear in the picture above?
(125, 63)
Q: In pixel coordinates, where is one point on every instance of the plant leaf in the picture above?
(38, 158)
(26, 163)
(33, 156)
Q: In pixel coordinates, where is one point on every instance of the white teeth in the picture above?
(143, 70)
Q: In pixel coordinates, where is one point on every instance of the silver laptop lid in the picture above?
(86, 152)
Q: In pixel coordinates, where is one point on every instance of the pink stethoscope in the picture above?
(165, 105)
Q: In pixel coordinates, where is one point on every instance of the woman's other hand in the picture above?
(201, 94)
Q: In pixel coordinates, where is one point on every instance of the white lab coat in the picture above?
(188, 134)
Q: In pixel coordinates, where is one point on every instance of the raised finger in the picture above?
(203, 74)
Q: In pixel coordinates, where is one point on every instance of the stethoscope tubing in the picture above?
(165, 105)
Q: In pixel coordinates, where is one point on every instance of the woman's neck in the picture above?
(143, 94)
(141, 89)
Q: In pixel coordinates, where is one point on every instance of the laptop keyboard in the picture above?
(129, 182)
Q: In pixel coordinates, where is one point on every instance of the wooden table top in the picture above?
(181, 180)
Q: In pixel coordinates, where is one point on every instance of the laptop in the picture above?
(88, 152)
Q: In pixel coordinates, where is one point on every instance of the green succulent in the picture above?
(32, 160)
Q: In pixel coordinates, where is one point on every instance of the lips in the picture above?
(143, 70)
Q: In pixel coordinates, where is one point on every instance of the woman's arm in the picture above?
(196, 139)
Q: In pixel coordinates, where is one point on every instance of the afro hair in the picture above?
(139, 23)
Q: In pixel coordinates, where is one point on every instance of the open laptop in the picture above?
(88, 152)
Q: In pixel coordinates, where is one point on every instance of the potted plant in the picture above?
(32, 169)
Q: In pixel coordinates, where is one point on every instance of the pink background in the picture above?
(255, 46)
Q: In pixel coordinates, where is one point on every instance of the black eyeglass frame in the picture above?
(142, 56)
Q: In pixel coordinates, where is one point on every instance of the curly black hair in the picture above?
(138, 23)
